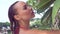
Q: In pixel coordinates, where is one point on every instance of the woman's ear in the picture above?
(16, 17)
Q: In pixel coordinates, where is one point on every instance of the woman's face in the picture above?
(24, 11)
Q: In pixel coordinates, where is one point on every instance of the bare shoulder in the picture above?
(45, 31)
(39, 31)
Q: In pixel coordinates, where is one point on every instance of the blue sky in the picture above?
(4, 5)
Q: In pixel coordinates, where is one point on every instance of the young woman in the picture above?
(19, 15)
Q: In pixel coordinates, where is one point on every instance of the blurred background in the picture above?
(47, 15)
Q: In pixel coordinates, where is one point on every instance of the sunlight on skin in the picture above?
(40, 32)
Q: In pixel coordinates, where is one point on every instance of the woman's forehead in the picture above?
(20, 3)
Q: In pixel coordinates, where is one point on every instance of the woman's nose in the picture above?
(29, 7)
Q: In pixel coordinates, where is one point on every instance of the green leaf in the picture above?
(43, 5)
(46, 19)
(55, 9)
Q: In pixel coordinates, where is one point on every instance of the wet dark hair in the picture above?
(14, 24)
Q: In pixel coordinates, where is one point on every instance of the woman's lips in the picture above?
(32, 12)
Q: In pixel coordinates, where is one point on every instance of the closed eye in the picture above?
(25, 7)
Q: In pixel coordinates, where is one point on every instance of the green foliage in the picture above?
(55, 10)
(48, 18)
(32, 3)
(38, 25)
(4, 24)
(41, 5)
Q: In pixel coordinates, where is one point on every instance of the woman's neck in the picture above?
(24, 24)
